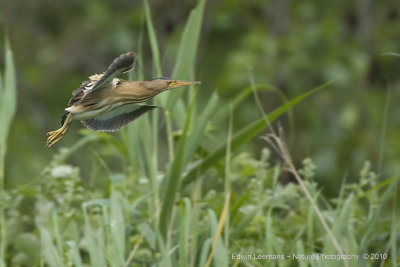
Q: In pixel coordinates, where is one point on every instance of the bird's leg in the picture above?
(56, 135)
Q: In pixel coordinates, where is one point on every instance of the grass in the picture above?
(8, 101)
(205, 205)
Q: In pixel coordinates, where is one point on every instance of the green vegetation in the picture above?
(184, 186)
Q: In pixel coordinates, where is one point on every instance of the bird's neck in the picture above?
(135, 91)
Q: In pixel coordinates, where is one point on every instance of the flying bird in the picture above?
(107, 103)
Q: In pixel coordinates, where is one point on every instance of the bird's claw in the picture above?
(55, 136)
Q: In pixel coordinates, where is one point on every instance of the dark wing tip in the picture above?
(124, 62)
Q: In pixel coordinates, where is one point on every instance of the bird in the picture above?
(107, 103)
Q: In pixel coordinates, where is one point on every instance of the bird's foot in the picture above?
(55, 136)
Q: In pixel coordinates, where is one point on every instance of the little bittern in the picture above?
(107, 103)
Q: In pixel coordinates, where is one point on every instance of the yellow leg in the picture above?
(56, 135)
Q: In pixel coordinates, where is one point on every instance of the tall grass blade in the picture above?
(157, 63)
(310, 229)
(246, 134)
(218, 251)
(118, 228)
(163, 250)
(49, 250)
(56, 233)
(300, 250)
(185, 62)
(204, 252)
(76, 256)
(173, 178)
(269, 232)
(195, 225)
(185, 213)
(342, 218)
(96, 257)
(8, 103)
(147, 153)
(394, 231)
(8, 100)
(376, 216)
(227, 182)
(153, 39)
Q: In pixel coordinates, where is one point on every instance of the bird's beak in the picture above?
(175, 84)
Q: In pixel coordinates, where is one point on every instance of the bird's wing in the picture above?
(117, 118)
(80, 92)
(124, 63)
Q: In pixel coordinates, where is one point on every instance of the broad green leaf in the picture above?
(185, 214)
(204, 251)
(8, 103)
(117, 230)
(53, 258)
(153, 39)
(185, 62)
(220, 255)
(95, 253)
(173, 178)
(8, 100)
(76, 256)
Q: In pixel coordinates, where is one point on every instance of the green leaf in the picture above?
(49, 250)
(153, 39)
(8, 103)
(204, 251)
(173, 178)
(220, 254)
(76, 257)
(96, 253)
(8, 97)
(185, 213)
(185, 62)
(117, 230)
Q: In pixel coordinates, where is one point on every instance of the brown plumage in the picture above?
(107, 103)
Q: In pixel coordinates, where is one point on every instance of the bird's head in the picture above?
(165, 83)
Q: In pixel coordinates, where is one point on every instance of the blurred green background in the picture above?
(292, 45)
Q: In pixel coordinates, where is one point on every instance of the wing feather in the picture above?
(114, 120)
(124, 63)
